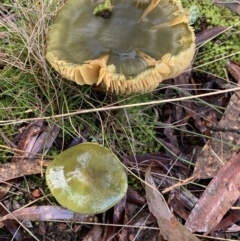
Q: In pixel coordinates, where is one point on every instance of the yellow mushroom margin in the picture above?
(100, 73)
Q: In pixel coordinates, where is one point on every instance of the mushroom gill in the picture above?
(121, 46)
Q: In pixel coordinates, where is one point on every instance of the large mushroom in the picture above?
(87, 178)
(121, 46)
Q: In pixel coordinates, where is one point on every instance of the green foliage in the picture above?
(222, 46)
(135, 183)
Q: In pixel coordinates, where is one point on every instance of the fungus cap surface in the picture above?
(132, 49)
(87, 178)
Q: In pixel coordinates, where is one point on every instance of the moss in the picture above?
(221, 46)
(135, 183)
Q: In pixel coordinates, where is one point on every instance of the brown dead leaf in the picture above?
(169, 133)
(94, 234)
(169, 227)
(233, 228)
(142, 220)
(234, 70)
(44, 141)
(224, 144)
(12, 226)
(5, 187)
(134, 197)
(217, 199)
(228, 221)
(10, 171)
(35, 138)
(27, 141)
(171, 150)
(119, 213)
(48, 213)
(179, 208)
(233, 5)
(207, 34)
(156, 160)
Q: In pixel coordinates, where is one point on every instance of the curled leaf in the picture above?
(169, 227)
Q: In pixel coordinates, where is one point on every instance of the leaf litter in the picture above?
(22, 164)
(166, 171)
(223, 144)
(170, 228)
(219, 196)
(48, 213)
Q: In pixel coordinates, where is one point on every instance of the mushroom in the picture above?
(121, 46)
(87, 178)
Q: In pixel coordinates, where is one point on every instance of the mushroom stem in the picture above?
(150, 7)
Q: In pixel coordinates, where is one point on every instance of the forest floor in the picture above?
(179, 144)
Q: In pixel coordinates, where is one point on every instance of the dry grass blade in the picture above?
(117, 107)
(169, 227)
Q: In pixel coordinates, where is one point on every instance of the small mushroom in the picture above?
(121, 46)
(87, 178)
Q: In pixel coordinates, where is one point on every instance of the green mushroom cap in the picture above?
(87, 178)
(121, 46)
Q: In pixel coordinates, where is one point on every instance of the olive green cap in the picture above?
(87, 178)
(130, 46)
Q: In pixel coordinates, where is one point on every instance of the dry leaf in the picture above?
(119, 213)
(48, 213)
(208, 34)
(233, 228)
(9, 171)
(228, 221)
(233, 5)
(45, 140)
(169, 227)
(94, 234)
(27, 141)
(224, 144)
(12, 226)
(134, 197)
(234, 70)
(217, 199)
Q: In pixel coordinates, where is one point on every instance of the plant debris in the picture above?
(179, 144)
(219, 196)
(169, 227)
